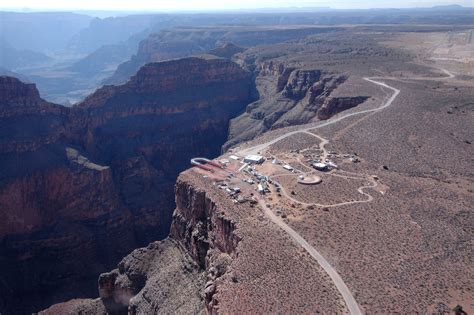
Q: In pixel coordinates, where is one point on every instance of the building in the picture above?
(224, 161)
(320, 166)
(254, 159)
(288, 167)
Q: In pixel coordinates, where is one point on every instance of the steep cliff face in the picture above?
(183, 42)
(198, 224)
(170, 276)
(147, 129)
(335, 105)
(289, 96)
(207, 234)
(48, 212)
(96, 180)
(220, 257)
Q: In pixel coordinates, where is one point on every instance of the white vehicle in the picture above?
(288, 167)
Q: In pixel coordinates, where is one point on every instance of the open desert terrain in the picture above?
(296, 162)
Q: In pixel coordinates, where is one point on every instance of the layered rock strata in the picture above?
(238, 262)
(82, 187)
(290, 96)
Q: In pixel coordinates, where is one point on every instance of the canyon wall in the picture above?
(289, 96)
(49, 214)
(96, 181)
(148, 129)
(220, 257)
(170, 276)
(187, 41)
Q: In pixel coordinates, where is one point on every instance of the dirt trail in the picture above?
(257, 148)
(346, 294)
(348, 297)
(345, 203)
(351, 303)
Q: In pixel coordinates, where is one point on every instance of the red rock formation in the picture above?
(206, 265)
(14, 93)
(183, 42)
(335, 105)
(95, 181)
(142, 129)
(200, 234)
(197, 224)
(289, 96)
(55, 206)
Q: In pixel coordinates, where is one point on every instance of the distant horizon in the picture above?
(193, 6)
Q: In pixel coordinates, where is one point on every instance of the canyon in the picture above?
(74, 180)
(100, 212)
(377, 236)
(129, 142)
(185, 41)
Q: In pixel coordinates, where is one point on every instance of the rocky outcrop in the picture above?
(142, 285)
(160, 278)
(338, 104)
(198, 226)
(200, 248)
(96, 180)
(170, 276)
(16, 93)
(207, 234)
(48, 212)
(289, 96)
(226, 50)
(164, 45)
(184, 42)
(220, 257)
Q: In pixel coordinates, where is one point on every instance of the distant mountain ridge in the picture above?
(12, 59)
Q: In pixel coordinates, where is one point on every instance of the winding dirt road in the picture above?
(345, 203)
(351, 303)
(332, 173)
(346, 294)
(257, 148)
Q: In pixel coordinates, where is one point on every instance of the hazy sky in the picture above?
(217, 5)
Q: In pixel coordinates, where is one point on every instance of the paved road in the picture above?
(337, 280)
(260, 147)
(349, 299)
